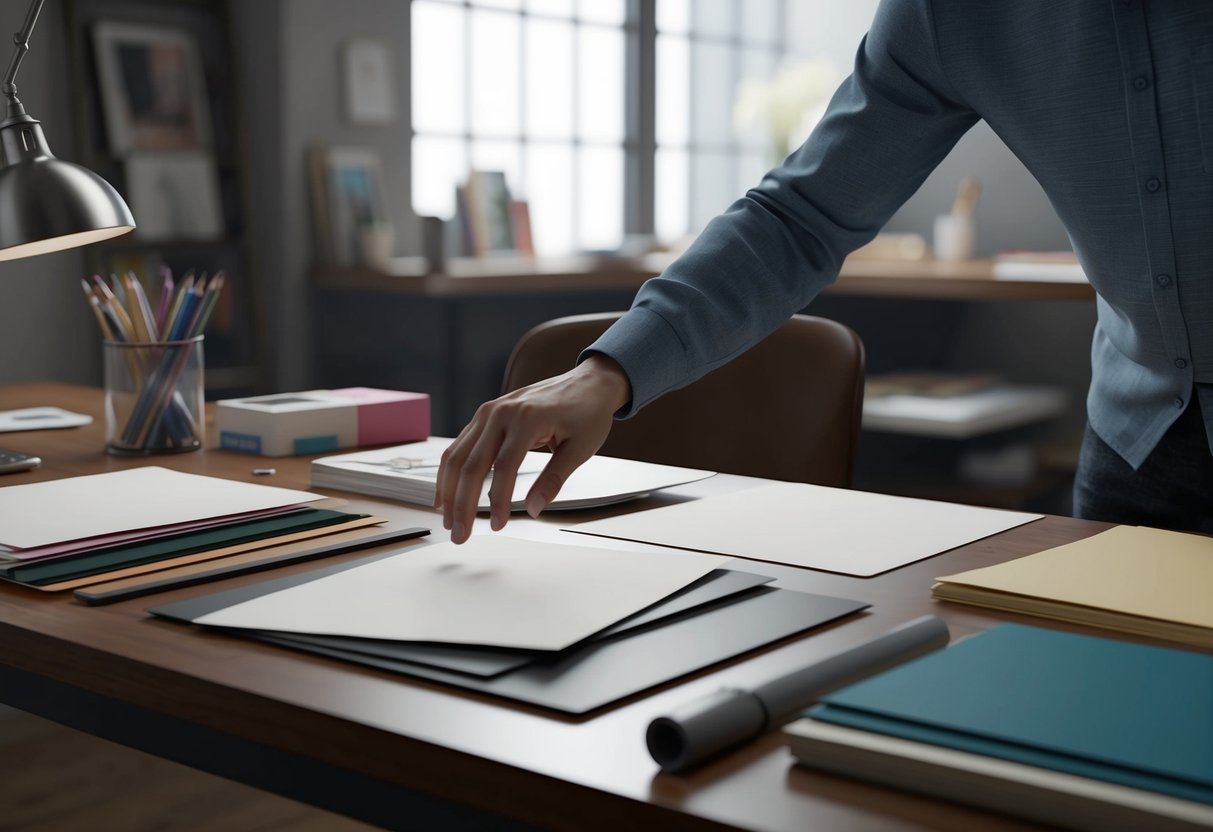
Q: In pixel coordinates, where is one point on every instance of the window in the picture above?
(534, 88)
(543, 89)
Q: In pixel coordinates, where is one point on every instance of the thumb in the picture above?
(566, 459)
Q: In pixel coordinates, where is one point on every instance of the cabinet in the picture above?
(156, 113)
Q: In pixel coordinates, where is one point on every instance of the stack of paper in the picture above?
(1130, 578)
(566, 627)
(409, 473)
(66, 533)
(1070, 730)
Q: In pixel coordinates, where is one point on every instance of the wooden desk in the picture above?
(408, 754)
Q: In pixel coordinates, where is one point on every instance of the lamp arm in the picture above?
(21, 40)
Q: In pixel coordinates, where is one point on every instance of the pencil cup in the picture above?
(153, 396)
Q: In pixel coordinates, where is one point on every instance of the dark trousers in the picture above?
(1173, 489)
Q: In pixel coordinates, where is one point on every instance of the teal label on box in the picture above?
(244, 442)
(313, 444)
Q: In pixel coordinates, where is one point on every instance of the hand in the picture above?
(570, 414)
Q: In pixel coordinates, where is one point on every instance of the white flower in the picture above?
(787, 105)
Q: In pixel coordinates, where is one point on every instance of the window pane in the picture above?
(600, 76)
(712, 186)
(549, 174)
(495, 71)
(751, 124)
(438, 165)
(549, 83)
(760, 22)
(601, 11)
(673, 89)
(671, 195)
(714, 89)
(555, 8)
(499, 4)
(673, 15)
(713, 18)
(503, 156)
(600, 198)
(437, 67)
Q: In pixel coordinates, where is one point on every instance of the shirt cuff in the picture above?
(650, 353)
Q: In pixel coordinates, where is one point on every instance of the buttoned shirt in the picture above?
(1109, 104)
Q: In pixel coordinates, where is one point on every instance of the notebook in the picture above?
(1124, 715)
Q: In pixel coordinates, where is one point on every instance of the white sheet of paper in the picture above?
(492, 590)
(41, 418)
(41, 513)
(833, 529)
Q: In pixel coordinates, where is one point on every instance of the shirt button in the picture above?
(1179, 402)
(1152, 184)
(1180, 363)
(1163, 280)
(1141, 82)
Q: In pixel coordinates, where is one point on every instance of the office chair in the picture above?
(787, 409)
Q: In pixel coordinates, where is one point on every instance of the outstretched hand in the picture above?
(570, 414)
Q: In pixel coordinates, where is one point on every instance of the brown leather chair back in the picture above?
(787, 409)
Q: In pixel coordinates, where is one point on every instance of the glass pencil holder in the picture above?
(153, 396)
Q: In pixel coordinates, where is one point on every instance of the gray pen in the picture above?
(729, 717)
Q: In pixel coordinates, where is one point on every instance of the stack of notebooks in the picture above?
(409, 473)
(74, 532)
(570, 628)
(1069, 730)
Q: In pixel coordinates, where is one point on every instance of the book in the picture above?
(1047, 266)
(409, 473)
(1130, 578)
(491, 219)
(954, 405)
(1087, 732)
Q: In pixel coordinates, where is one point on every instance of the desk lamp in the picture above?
(46, 204)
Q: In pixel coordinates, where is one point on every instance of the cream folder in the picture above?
(43, 513)
(833, 529)
(1129, 578)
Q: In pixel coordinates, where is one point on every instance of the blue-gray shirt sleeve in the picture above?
(772, 251)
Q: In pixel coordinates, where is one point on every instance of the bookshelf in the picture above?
(177, 157)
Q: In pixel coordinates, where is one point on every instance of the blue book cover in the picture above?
(1126, 713)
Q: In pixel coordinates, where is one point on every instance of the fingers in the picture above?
(566, 459)
(470, 470)
(505, 474)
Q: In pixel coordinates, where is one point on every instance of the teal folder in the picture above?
(1124, 713)
(100, 561)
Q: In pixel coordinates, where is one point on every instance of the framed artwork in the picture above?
(174, 195)
(153, 91)
(356, 200)
(369, 88)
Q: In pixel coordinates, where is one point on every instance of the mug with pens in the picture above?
(153, 360)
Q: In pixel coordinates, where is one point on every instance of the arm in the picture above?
(765, 258)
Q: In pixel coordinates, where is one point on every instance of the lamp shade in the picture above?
(47, 204)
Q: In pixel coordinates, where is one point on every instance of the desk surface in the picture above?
(469, 277)
(410, 747)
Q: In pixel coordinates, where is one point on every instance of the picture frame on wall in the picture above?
(152, 87)
(369, 87)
